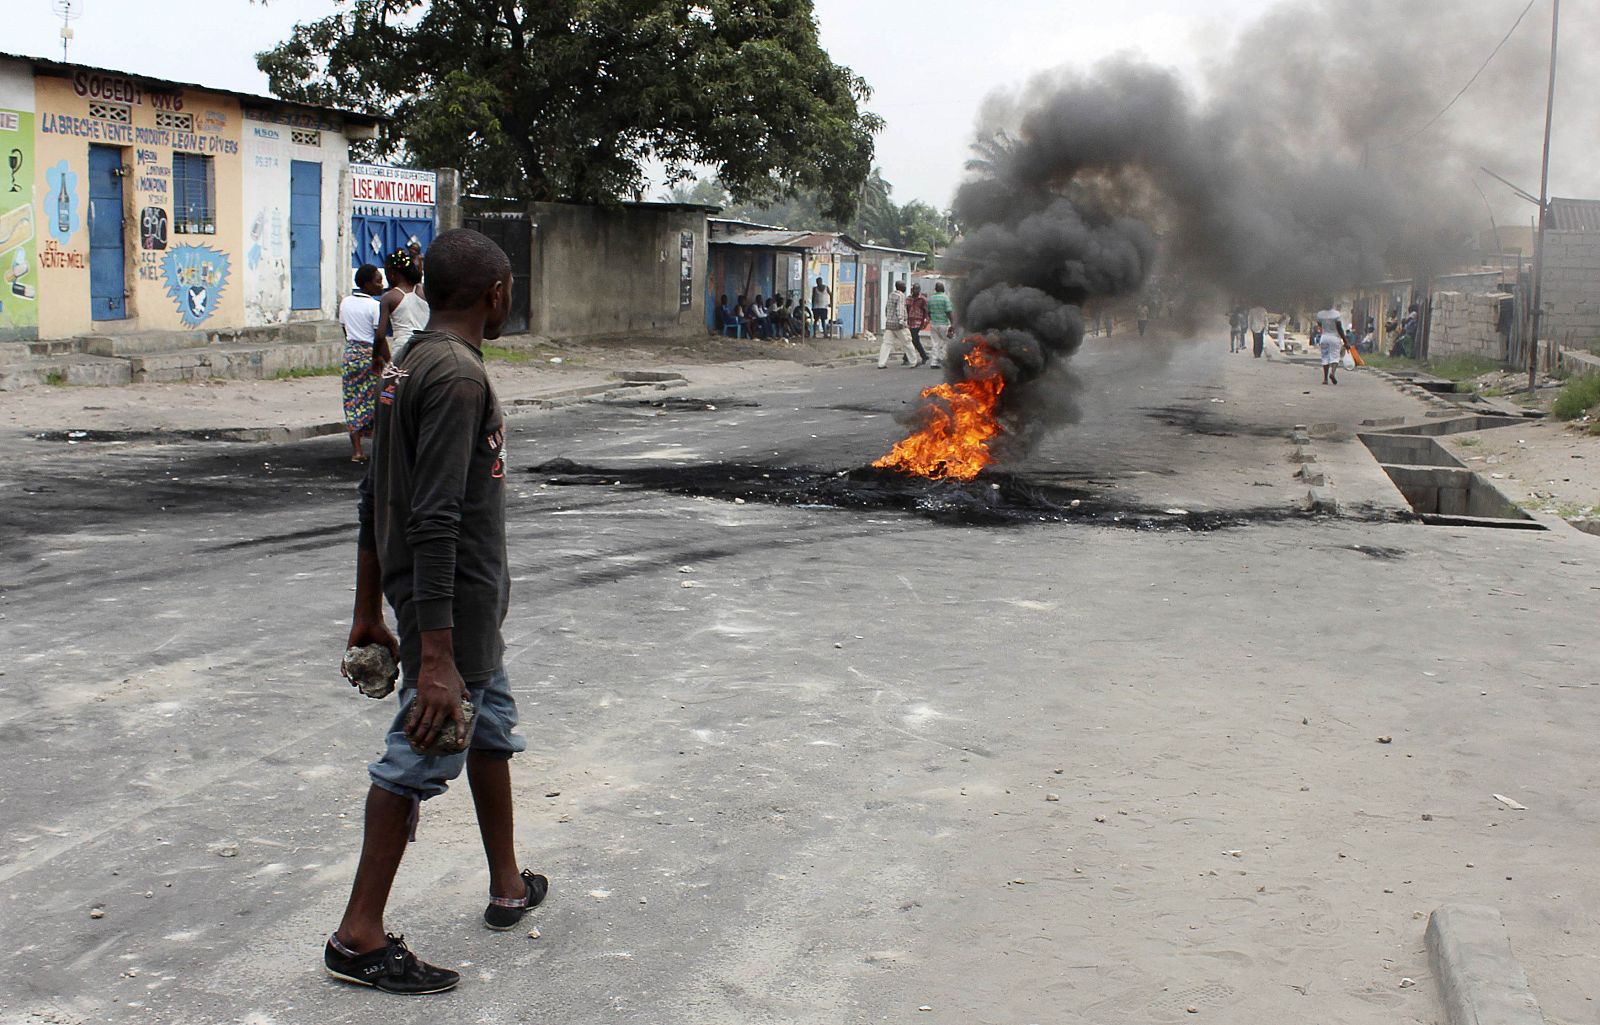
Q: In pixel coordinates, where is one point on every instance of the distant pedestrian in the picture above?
(742, 313)
(1144, 318)
(415, 249)
(359, 314)
(821, 304)
(895, 333)
(760, 324)
(917, 321)
(1331, 343)
(1236, 330)
(1257, 323)
(403, 310)
(941, 323)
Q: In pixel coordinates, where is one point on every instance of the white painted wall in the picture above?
(16, 85)
(267, 149)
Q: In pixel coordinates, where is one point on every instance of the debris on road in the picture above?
(1509, 803)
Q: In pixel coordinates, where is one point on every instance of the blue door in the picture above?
(305, 235)
(108, 281)
(375, 236)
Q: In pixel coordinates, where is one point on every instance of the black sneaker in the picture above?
(505, 912)
(394, 969)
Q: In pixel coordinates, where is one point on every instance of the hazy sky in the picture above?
(930, 63)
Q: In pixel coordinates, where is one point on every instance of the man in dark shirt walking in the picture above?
(432, 541)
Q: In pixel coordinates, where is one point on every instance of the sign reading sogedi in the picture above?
(397, 186)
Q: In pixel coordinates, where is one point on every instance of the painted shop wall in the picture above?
(617, 271)
(19, 224)
(272, 142)
(841, 272)
(180, 267)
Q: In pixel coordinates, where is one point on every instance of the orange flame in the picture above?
(955, 441)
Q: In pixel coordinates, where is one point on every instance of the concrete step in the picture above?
(54, 347)
(241, 362)
(144, 343)
(73, 369)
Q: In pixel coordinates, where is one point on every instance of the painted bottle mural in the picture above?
(64, 208)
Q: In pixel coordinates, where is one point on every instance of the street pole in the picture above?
(1544, 205)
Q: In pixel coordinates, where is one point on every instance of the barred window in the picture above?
(303, 137)
(121, 113)
(194, 195)
(167, 119)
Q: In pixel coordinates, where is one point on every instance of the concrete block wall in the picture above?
(1466, 325)
(599, 271)
(1571, 288)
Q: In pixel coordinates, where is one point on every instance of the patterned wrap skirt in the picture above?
(360, 386)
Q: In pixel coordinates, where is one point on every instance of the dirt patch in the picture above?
(1544, 466)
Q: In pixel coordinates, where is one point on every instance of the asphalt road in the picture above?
(799, 763)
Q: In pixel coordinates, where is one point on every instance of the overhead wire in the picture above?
(1463, 90)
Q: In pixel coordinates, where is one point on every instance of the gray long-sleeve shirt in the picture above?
(432, 504)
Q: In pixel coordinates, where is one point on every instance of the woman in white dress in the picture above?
(404, 311)
(1331, 344)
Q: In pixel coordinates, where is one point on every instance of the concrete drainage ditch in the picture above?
(1438, 486)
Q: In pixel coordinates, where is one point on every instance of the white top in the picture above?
(358, 313)
(1258, 318)
(407, 318)
(1330, 323)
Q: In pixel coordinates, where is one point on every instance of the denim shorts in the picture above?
(402, 771)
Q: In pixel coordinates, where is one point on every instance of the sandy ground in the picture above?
(1544, 465)
(534, 370)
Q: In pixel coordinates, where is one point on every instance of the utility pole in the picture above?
(1544, 206)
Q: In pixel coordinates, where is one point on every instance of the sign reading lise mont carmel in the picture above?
(397, 186)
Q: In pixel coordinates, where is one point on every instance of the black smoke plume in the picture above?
(1314, 160)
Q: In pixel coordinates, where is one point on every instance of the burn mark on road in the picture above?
(1203, 421)
(685, 404)
(1376, 551)
(991, 499)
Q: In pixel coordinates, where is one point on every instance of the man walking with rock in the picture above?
(432, 541)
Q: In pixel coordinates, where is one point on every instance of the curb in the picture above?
(1479, 981)
(1319, 493)
(590, 392)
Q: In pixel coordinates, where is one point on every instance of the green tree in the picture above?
(567, 99)
(923, 228)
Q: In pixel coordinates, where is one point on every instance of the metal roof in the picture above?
(54, 66)
(725, 231)
(768, 239)
(654, 204)
(892, 249)
(1574, 214)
